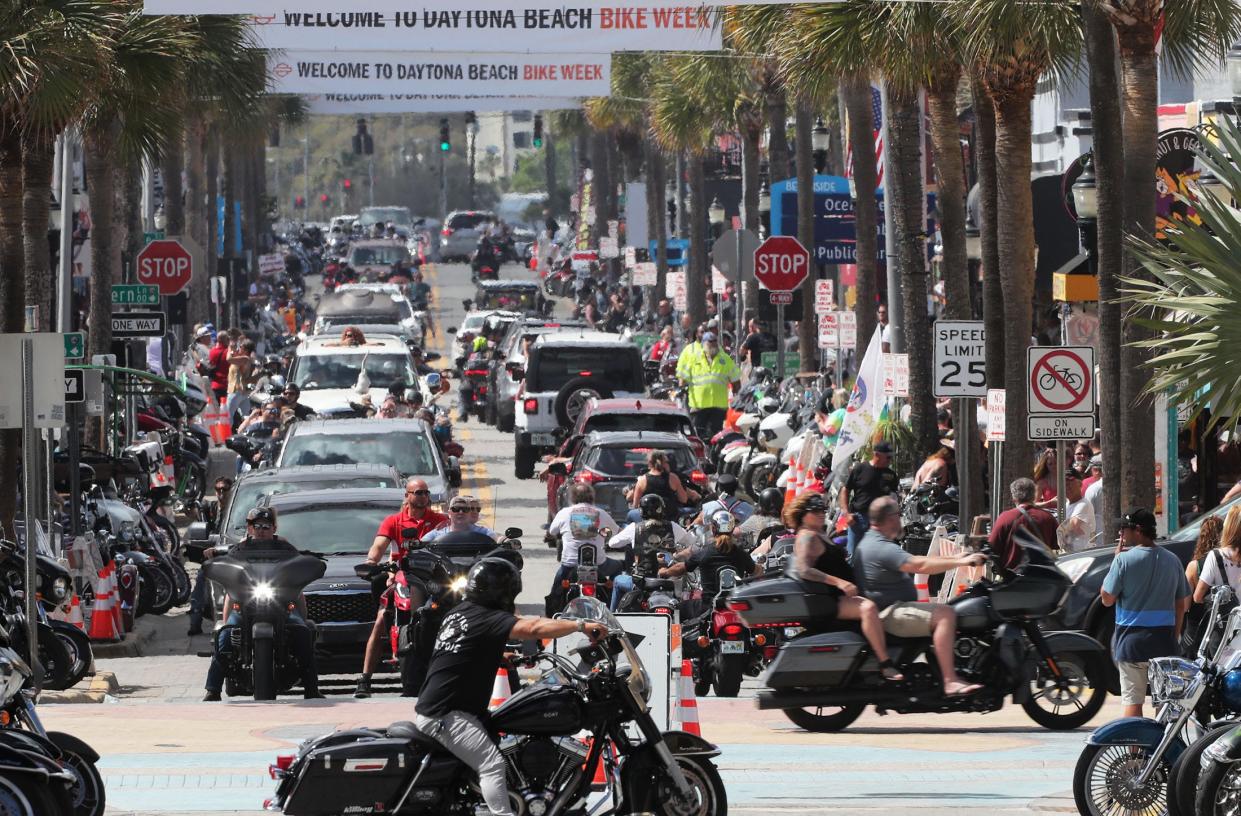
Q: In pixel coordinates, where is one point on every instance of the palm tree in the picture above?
(855, 92)
(992, 290)
(1013, 45)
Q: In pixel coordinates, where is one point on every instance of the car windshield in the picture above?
(248, 493)
(630, 463)
(511, 299)
(317, 371)
(557, 365)
(332, 529)
(1190, 532)
(661, 423)
(382, 255)
(468, 220)
(409, 452)
(374, 215)
(472, 322)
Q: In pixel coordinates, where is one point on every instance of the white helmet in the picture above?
(722, 523)
(768, 406)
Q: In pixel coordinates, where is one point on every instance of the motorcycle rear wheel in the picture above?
(181, 584)
(813, 718)
(87, 792)
(22, 796)
(704, 676)
(1084, 693)
(77, 646)
(1219, 789)
(1100, 781)
(163, 589)
(56, 660)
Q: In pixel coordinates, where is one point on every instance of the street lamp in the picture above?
(764, 208)
(1086, 193)
(160, 219)
(1234, 74)
(819, 142)
(715, 213)
(973, 242)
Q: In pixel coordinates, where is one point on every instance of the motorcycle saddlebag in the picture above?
(815, 660)
(370, 774)
(784, 601)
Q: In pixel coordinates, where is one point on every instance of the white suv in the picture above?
(329, 372)
(564, 371)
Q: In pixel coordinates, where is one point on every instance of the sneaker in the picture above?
(364, 688)
(212, 697)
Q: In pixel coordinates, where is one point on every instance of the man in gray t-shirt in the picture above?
(885, 574)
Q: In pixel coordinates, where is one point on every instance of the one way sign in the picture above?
(137, 324)
(75, 385)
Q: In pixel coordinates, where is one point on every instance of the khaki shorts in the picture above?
(1132, 683)
(908, 619)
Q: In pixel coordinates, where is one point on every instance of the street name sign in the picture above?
(1059, 427)
(960, 359)
(137, 324)
(135, 294)
(1061, 380)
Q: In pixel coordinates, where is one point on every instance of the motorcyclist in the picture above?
(762, 527)
(578, 524)
(726, 484)
(646, 540)
(721, 552)
(471, 643)
(261, 535)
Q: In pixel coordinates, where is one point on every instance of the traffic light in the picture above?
(347, 184)
(445, 136)
(363, 144)
(538, 130)
(299, 203)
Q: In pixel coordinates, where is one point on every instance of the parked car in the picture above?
(612, 461)
(502, 385)
(329, 372)
(564, 372)
(461, 232)
(405, 444)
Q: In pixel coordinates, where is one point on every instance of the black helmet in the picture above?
(771, 502)
(493, 583)
(652, 506)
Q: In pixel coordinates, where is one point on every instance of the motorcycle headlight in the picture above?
(1172, 678)
(264, 593)
(458, 584)
(1076, 568)
(60, 589)
(13, 674)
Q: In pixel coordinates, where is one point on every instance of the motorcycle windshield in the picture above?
(275, 574)
(590, 609)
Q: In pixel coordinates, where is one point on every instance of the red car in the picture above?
(626, 414)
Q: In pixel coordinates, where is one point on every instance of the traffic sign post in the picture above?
(733, 253)
(166, 265)
(1060, 380)
(781, 264)
(960, 359)
(137, 324)
(75, 345)
(135, 294)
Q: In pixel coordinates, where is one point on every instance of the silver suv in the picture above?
(510, 366)
(563, 373)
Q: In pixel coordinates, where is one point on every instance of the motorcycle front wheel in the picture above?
(163, 589)
(57, 662)
(87, 791)
(825, 719)
(78, 647)
(709, 796)
(264, 669)
(1103, 776)
(1073, 700)
(1187, 770)
(1219, 789)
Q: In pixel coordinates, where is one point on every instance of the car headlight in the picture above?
(1173, 678)
(60, 589)
(1076, 568)
(264, 593)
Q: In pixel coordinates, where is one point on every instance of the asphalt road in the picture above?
(165, 753)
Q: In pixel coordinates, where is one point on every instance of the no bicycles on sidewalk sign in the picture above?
(1061, 390)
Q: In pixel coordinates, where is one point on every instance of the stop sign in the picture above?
(781, 263)
(165, 264)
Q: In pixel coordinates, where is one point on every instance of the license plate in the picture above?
(792, 631)
(732, 647)
(545, 440)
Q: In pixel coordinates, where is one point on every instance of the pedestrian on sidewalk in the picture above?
(867, 481)
(1147, 586)
(1077, 529)
(1025, 514)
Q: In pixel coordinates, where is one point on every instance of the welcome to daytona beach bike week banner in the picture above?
(312, 6)
(340, 104)
(397, 72)
(527, 30)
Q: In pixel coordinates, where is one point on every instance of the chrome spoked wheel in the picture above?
(1228, 793)
(1106, 782)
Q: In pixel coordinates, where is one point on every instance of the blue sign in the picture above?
(678, 251)
(835, 224)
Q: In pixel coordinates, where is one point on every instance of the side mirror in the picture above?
(513, 532)
(197, 532)
(558, 469)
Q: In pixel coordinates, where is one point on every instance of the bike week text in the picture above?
(450, 71)
(507, 19)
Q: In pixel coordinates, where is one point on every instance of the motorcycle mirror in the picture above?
(86, 475)
(451, 329)
(513, 532)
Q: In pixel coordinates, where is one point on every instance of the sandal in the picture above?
(889, 671)
(964, 690)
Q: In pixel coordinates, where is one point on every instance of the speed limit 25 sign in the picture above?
(960, 359)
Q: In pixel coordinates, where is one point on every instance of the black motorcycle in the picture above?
(824, 678)
(263, 586)
(549, 770)
(33, 782)
(64, 650)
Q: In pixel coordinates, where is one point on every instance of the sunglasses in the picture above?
(262, 525)
(417, 492)
(458, 509)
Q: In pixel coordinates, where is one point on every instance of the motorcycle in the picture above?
(720, 647)
(33, 781)
(550, 770)
(1130, 762)
(64, 650)
(486, 262)
(473, 390)
(824, 678)
(263, 586)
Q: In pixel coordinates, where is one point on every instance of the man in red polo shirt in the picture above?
(415, 513)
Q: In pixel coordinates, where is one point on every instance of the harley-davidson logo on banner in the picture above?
(429, 103)
(399, 72)
(545, 31)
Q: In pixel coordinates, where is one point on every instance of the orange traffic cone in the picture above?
(790, 486)
(687, 702)
(500, 691)
(118, 620)
(101, 621)
(75, 613)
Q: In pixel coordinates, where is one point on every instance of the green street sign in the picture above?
(135, 294)
(148, 237)
(792, 362)
(75, 345)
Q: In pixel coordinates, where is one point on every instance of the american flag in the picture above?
(876, 110)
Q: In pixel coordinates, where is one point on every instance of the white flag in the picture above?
(865, 403)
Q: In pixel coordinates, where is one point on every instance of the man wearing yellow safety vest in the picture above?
(692, 351)
(708, 376)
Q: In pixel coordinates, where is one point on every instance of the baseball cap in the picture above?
(201, 331)
(1072, 474)
(265, 514)
(883, 447)
(1096, 461)
(1138, 518)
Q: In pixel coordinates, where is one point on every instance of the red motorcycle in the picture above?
(720, 646)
